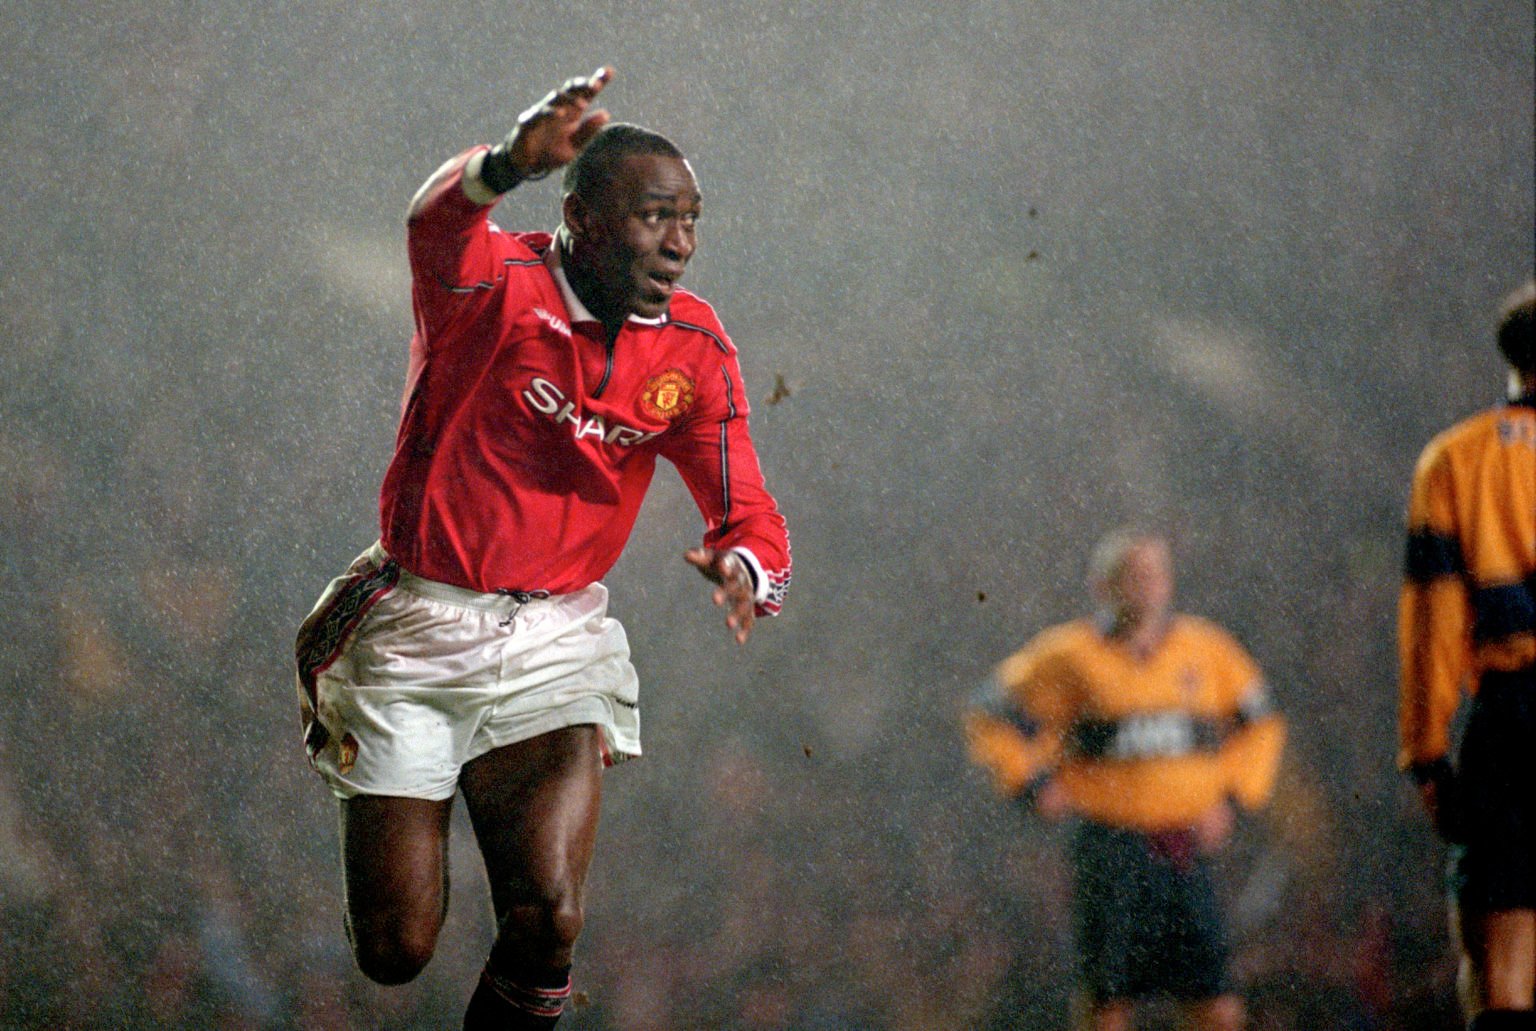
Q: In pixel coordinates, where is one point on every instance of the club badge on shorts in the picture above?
(346, 753)
(667, 395)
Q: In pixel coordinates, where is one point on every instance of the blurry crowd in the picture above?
(167, 861)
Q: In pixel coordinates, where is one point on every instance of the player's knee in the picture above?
(394, 957)
(549, 926)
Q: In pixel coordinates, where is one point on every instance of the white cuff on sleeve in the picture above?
(755, 570)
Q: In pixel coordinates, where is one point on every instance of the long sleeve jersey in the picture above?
(1468, 602)
(527, 440)
(1146, 744)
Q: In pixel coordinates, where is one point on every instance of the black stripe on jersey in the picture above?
(1144, 736)
(707, 332)
(1431, 556)
(1256, 705)
(991, 700)
(1503, 611)
(725, 447)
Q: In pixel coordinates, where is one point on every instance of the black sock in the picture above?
(1503, 1020)
(501, 1003)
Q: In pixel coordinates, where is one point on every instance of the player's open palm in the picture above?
(733, 590)
(552, 132)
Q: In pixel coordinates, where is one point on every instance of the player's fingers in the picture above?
(598, 79)
(580, 90)
(589, 127)
(704, 561)
(559, 103)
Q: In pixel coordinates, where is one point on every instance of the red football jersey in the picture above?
(526, 442)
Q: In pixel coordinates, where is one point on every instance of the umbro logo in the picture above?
(554, 322)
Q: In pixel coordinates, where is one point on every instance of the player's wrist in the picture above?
(757, 580)
(501, 172)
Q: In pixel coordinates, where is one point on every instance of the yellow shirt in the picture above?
(1145, 744)
(1468, 602)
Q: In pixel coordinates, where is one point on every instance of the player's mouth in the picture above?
(663, 281)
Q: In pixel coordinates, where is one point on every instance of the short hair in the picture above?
(1107, 555)
(594, 166)
(1517, 327)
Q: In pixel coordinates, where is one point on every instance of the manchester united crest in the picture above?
(667, 395)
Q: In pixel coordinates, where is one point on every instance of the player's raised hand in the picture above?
(552, 132)
(733, 587)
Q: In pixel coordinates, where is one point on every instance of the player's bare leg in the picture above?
(1500, 953)
(1223, 1013)
(535, 807)
(395, 863)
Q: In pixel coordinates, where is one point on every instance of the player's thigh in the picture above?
(534, 805)
(395, 861)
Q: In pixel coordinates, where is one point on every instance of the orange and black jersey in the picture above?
(1468, 602)
(1144, 744)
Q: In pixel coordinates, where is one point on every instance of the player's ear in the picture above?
(576, 214)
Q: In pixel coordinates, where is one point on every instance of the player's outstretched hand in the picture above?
(1214, 828)
(552, 132)
(733, 586)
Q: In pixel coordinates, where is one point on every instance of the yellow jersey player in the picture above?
(1147, 726)
(1467, 625)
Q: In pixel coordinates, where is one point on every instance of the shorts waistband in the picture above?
(495, 601)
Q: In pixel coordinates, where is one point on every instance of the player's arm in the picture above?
(1012, 731)
(1434, 629)
(1250, 754)
(447, 224)
(1434, 639)
(745, 550)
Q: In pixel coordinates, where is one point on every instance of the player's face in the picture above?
(640, 233)
(1142, 587)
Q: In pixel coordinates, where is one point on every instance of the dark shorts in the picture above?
(1491, 863)
(1146, 917)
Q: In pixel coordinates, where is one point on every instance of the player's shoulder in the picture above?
(1202, 627)
(1062, 639)
(1206, 633)
(1471, 432)
(689, 313)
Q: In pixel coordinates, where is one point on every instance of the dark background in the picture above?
(1029, 270)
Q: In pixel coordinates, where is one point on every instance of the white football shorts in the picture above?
(403, 680)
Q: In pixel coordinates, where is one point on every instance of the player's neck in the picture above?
(1140, 632)
(586, 284)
